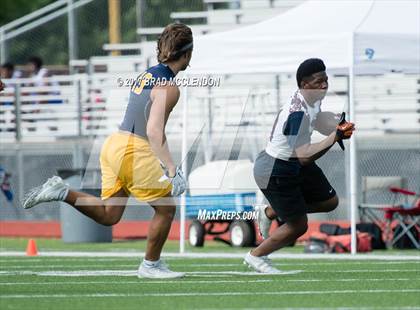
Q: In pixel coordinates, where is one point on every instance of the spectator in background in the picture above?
(2, 87)
(36, 71)
(5, 184)
(7, 71)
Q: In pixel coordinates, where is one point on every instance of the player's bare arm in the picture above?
(164, 99)
(308, 153)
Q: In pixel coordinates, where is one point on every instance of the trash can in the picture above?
(75, 226)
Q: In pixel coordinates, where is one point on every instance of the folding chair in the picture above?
(399, 211)
(379, 186)
(407, 218)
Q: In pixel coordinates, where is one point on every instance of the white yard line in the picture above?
(51, 266)
(74, 273)
(351, 280)
(139, 282)
(93, 263)
(186, 264)
(128, 273)
(147, 282)
(323, 308)
(306, 264)
(211, 276)
(308, 271)
(43, 258)
(224, 293)
(220, 255)
(133, 272)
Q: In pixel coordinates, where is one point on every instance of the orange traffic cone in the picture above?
(31, 248)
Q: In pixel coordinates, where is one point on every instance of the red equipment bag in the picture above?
(342, 243)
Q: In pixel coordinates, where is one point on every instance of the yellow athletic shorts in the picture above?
(128, 162)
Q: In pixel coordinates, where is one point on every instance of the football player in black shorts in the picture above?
(286, 171)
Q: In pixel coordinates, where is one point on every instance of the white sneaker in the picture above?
(264, 223)
(160, 271)
(52, 190)
(260, 264)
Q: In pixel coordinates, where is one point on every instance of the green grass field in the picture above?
(46, 282)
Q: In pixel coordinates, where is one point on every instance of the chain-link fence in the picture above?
(30, 166)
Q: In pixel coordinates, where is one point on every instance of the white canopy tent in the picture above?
(384, 34)
(353, 37)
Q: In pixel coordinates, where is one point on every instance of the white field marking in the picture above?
(31, 259)
(221, 255)
(350, 280)
(366, 270)
(146, 281)
(186, 264)
(129, 273)
(49, 266)
(78, 273)
(323, 308)
(81, 273)
(306, 264)
(195, 294)
(302, 264)
(307, 271)
(198, 281)
(92, 261)
(211, 276)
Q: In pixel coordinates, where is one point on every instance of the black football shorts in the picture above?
(289, 186)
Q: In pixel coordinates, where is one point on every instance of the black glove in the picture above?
(344, 130)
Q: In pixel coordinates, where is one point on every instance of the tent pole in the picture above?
(278, 91)
(184, 169)
(353, 159)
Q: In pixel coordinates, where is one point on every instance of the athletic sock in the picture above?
(63, 194)
(150, 263)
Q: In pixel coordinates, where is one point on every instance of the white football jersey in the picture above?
(293, 127)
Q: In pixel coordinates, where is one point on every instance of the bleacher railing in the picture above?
(39, 18)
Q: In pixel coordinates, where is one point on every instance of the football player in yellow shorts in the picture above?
(131, 158)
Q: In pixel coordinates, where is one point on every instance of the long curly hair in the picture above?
(175, 40)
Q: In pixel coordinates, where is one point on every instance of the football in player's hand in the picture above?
(326, 122)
